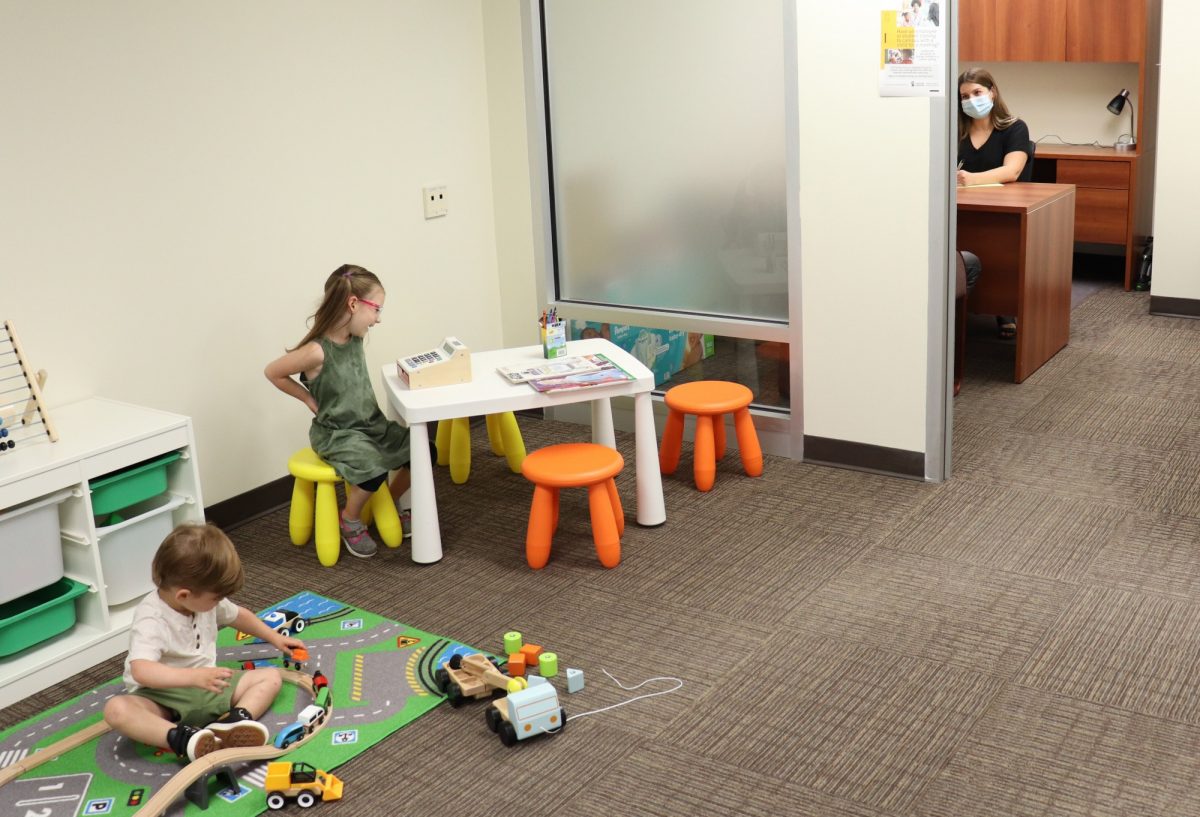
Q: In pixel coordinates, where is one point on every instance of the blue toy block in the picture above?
(574, 680)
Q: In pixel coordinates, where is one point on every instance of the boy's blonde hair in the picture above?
(200, 558)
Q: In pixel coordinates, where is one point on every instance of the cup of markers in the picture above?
(554, 335)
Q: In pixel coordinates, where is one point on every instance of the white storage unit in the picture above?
(97, 437)
(29, 546)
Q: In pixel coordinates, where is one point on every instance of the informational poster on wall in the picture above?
(912, 55)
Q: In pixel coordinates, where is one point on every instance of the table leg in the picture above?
(426, 533)
(602, 424)
(651, 510)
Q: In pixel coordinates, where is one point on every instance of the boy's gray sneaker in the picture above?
(356, 538)
(406, 522)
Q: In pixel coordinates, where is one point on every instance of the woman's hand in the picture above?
(965, 178)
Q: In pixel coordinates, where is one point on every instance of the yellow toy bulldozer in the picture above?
(301, 781)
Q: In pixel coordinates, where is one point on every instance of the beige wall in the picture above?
(1066, 99)
(178, 180)
(864, 204)
(1176, 206)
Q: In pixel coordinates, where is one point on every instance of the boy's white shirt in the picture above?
(169, 637)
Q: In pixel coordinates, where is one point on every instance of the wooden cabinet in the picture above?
(1104, 192)
(1051, 30)
(1031, 30)
(96, 437)
(1106, 30)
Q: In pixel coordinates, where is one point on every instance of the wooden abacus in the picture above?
(22, 409)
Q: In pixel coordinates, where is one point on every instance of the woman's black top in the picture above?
(998, 145)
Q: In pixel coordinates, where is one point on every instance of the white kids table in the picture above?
(489, 393)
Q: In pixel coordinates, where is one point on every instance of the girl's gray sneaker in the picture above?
(356, 538)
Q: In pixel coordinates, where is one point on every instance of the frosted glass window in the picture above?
(666, 123)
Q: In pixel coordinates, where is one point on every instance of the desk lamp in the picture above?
(1115, 107)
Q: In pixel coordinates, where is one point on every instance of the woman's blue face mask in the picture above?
(977, 107)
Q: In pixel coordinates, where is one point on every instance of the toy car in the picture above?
(471, 676)
(309, 718)
(301, 781)
(285, 622)
(526, 714)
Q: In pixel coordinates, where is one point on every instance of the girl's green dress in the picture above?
(350, 432)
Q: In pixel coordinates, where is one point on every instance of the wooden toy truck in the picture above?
(526, 714)
(470, 676)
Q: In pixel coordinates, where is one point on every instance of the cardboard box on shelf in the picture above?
(663, 351)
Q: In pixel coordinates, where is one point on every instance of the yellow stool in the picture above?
(312, 472)
(453, 442)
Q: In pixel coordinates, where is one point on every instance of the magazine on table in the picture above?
(610, 373)
(559, 367)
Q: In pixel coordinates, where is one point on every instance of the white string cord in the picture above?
(678, 685)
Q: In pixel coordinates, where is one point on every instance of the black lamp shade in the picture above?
(1118, 102)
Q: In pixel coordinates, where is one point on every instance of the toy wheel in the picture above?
(562, 720)
(285, 632)
(508, 734)
(454, 694)
(299, 625)
(493, 718)
(305, 799)
(456, 661)
(275, 800)
(441, 679)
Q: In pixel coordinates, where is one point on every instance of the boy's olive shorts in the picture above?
(191, 706)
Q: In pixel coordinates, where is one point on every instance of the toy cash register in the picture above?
(441, 366)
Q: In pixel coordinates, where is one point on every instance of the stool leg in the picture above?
(387, 521)
(718, 421)
(554, 527)
(704, 466)
(618, 511)
(541, 526)
(442, 441)
(604, 525)
(495, 435)
(460, 450)
(300, 517)
(668, 454)
(748, 442)
(514, 445)
(329, 538)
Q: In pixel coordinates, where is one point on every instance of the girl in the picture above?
(993, 145)
(349, 431)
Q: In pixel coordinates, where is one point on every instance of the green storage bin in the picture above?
(132, 485)
(38, 616)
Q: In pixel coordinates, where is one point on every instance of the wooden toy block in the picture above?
(548, 664)
(531, 651)
(516, 664)
(574, 680)
(512, 642)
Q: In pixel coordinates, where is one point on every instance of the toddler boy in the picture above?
(176, 697)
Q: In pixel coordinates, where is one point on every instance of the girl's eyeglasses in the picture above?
(377, 307)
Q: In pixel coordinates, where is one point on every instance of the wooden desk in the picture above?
(1023, 235)
(1106, 187)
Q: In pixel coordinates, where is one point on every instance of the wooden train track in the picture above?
(189, 774)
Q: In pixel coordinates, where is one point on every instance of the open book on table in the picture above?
(559, 367)
(603, 376)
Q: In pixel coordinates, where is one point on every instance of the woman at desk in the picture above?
(993, 147)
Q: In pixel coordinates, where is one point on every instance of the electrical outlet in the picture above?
(437, 203)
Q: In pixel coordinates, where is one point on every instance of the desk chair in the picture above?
(960, 320)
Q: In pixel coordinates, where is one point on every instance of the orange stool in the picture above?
(708, 400)
(574, 465)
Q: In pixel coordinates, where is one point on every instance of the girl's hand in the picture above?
(213, 679)
(287, 644)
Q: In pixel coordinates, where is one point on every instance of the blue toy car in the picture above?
(285, 622)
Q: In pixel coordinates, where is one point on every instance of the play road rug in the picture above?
(380, 676)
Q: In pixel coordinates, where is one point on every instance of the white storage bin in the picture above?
(128, 548)
(30, 547)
